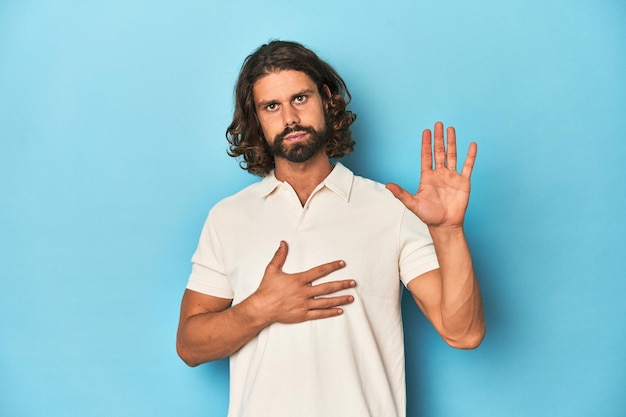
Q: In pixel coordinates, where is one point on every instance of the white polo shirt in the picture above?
(349, 365)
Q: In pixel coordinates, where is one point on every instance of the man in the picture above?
(297, 277)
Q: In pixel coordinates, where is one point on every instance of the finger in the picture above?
(401, 194)
(330, 302)
(468, 165)
(279, 258)
(440, 150)
(427, 151)
(451, 153)
(330, 287)
(323, 313)
(320, 271)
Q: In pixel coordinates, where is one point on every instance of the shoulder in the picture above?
(242, 201)
(371, 200)
(372, 192)
(250, 192)
(357, 189)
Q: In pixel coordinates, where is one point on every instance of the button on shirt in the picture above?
(349, 365)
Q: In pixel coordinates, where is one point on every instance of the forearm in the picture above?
(461, 303)
(210, 336)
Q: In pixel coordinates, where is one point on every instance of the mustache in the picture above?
(297, 128)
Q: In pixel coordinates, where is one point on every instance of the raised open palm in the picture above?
(443, 194)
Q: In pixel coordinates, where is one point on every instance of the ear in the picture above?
(328, 96)
(327, 91)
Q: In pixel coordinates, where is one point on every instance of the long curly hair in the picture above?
(245, 135)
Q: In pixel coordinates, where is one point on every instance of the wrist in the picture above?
(256, 311)
(447, 233)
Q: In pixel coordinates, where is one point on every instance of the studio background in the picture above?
(112, 151)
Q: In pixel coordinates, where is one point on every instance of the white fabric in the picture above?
(350, 365)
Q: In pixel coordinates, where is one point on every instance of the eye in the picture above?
(300, 99)
(271, 107)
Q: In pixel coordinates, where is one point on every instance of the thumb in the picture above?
(279, 258)
(401, 194)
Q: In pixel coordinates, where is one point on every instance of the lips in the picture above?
(295, 136)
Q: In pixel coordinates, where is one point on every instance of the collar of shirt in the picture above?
(338, 181)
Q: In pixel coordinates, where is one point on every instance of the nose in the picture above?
(290, 116)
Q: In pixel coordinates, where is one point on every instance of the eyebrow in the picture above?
(264, 103)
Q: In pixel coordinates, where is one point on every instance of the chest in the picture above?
(315, 234)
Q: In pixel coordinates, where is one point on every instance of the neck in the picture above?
(303, 176)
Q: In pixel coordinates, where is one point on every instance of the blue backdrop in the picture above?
(112, 151)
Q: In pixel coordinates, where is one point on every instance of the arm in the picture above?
(210, 329)
(449, 296)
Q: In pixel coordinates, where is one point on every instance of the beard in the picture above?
(300, 151)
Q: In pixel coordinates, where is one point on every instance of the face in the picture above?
(291, 112)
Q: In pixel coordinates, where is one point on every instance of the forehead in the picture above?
(282, 85)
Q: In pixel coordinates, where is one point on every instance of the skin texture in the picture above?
(210, 328)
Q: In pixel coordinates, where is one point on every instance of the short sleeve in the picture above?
(417, 252)
(207, 272)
